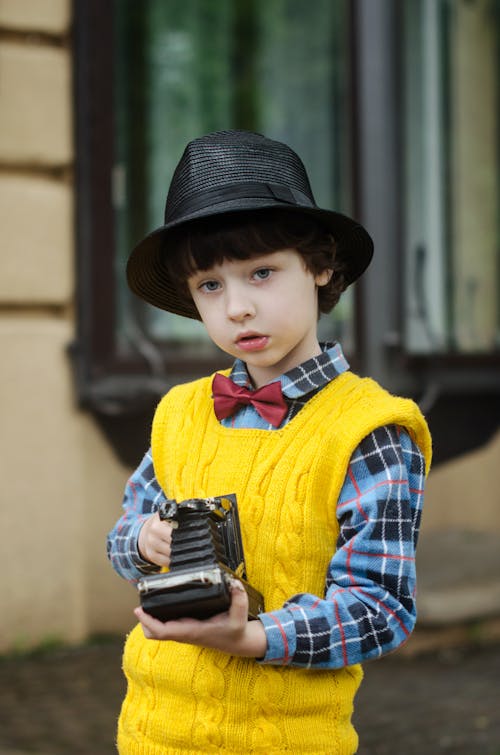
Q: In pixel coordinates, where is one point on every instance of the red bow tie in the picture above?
(268, 400)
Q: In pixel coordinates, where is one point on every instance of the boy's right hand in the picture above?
(154, 541)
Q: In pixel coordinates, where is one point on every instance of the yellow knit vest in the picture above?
(185, 700)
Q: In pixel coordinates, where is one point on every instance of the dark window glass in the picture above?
(451, 143)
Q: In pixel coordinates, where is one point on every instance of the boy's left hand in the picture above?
(230, 632)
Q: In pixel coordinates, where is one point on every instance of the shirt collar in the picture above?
(309, 376)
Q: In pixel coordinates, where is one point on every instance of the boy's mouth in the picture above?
(252, 342)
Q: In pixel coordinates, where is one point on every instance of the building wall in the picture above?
(62, 485)
(464, 493)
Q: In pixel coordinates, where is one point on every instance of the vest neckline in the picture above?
(300, 418)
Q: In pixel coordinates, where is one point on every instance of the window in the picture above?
(451, 152)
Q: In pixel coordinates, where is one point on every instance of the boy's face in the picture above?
(262, 310)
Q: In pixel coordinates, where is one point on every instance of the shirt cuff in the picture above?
(281, 637)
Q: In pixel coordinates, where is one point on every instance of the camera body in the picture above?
(206, 553)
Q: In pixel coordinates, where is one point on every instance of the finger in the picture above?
(180, 630)
(147, 620)
(158, 539)
(160, 556)
(162, 529)
(161, 559)
(152, 628)
(139, 615)
(238, 610)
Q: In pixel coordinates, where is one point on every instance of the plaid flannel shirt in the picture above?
(368, 607)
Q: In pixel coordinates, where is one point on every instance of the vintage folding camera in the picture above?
(206, 552)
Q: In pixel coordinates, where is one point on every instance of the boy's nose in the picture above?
(239, 306)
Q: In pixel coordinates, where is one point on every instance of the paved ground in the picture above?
(66, 702)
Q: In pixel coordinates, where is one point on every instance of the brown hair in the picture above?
(204, 243)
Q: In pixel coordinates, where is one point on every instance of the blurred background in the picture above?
(394, 106)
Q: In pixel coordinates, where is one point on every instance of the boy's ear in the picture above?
(321, 279)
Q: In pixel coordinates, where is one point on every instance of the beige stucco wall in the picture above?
(49, 16)
(465, 493)
(61, 484)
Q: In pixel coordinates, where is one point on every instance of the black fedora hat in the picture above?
(235, 171)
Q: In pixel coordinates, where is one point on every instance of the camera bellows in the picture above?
(206, 553)
(196, 543)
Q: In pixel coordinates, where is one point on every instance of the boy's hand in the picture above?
(230, 632)
(154, 541)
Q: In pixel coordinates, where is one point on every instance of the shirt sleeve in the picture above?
(368, 608)
(141, 499)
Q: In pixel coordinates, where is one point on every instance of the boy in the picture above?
(328, 473)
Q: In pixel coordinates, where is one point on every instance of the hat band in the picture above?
(249, 190)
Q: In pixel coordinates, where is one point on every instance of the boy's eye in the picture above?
(262, 273)
(209, 286)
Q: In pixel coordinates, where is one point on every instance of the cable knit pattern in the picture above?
(182, 699)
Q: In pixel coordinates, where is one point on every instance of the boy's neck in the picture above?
(261, 375)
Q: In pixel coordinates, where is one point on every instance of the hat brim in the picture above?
(147, 276)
